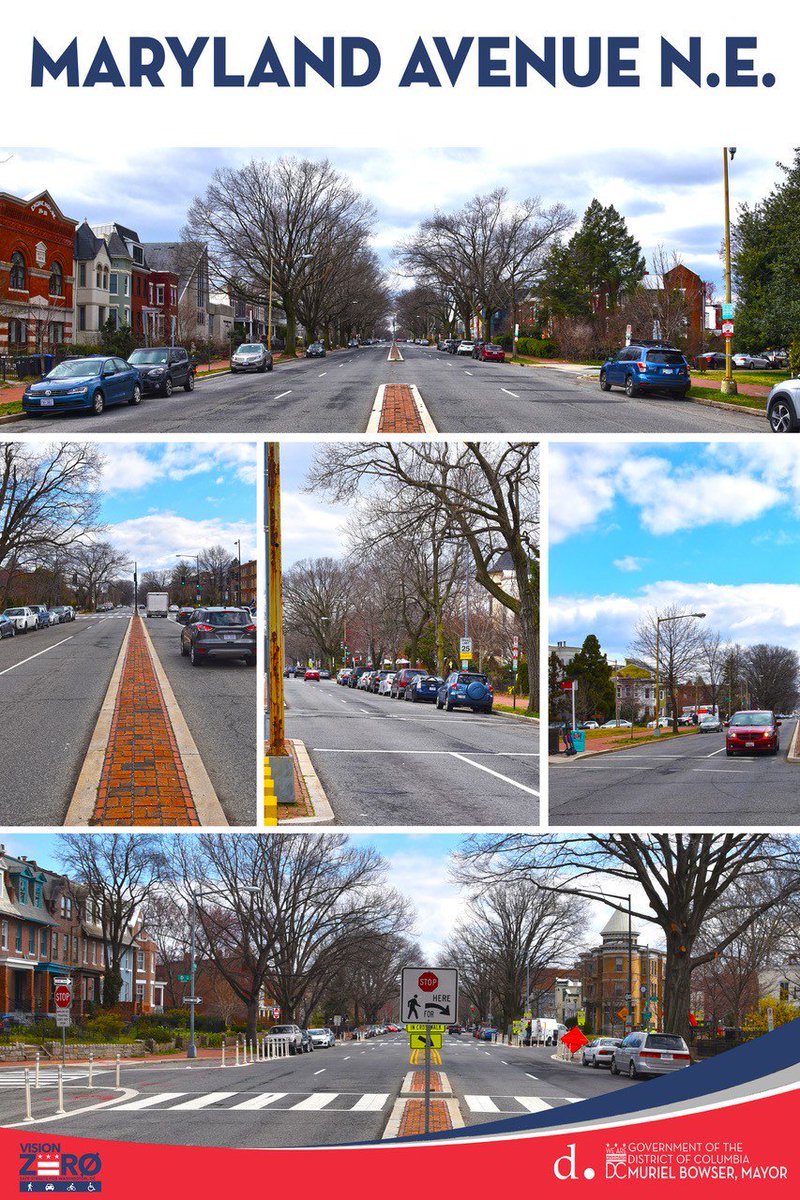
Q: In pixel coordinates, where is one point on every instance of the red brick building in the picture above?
(160, 314)
(36, 274)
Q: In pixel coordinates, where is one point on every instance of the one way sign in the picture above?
(429, 996)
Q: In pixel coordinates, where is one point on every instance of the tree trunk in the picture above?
(112, 987)
(252, 1018)
(677, 986)
(291, 326)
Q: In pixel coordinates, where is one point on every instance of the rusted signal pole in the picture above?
(276, 739)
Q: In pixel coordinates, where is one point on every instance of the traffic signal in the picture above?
(183, 579)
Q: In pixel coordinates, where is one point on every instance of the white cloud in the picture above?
(155, 541)
(310, 530)
(129, 468)
(416, 874)
(629, 563)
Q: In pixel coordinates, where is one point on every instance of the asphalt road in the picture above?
(389, 762)
(335, 395)
(52, 683)
(343, 1094)
(681, 781)
(219, 704)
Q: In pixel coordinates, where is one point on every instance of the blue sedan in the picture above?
(84, 384)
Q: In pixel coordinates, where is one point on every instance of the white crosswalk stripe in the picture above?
(480, 1104)
(250, 1102)
(508, 1105)
(47, 1077)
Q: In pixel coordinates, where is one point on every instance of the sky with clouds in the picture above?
(419, 865)
(669, 199)
(708, 527)
(312, 526)
(159, 500)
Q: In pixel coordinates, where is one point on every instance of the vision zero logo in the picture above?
(44, 1167)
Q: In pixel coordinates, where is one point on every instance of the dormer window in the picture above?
(23, 891)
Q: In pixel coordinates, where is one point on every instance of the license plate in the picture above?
(667, 1057)
(669, 371)
(46, 402)
(749, 745)
(228, 637)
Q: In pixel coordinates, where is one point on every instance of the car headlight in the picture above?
(77, 391)
(156, 371)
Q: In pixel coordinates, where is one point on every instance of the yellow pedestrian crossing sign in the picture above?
(418, 1041)
(425, 1028)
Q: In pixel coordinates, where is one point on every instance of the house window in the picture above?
(94, 954)
(113, 286)
(75, 947)
(43, 944)
(17, 332)
(85, 950)
(127, 284)
(105, 278)
(140, 993)
(150, 288)
(138, 255)
(23, 891)
(160, 294)
(82, 275)
(617, 966)
(56, 333)
(54, 946)
(4, 935)
(140, 961)
(31, 940)
(81, 316)
(90, 990)
(173, 296)
(56, 280)
(19, 274)
(127, 316)
(18, 938)
(37, 894)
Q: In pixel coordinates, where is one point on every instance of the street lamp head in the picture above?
(732, 152)
(698, 614)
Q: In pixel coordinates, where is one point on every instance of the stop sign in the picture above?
(428, 982)
(62, 996)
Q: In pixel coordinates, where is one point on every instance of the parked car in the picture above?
(589, 725)
(24, 618)
(465, 348)
(488, 352)
(452, 344)
(423, 688)
(352, 344)
(617, 725)
(456, 1030)
(8, 628)
(323, 674)
(377, 679)
(487, 1033)
(63, 613)
(311, 674)
(173, 608)
(643, 1053)
(643, 368)
(363, 681)
(343, 676)
(251, 356)
(322, 1038)
(663, 723)
(476, 348)
(712, 360)
(83, 384)
(315, 350)
(219, 633)
(292, 1032)
(402, 679)
(385, 685)
(163, 368)
(778, 358)
(751, 362)
(184, 615)
(308, 1045)
(355, 675)
(752, 731)
(598, 1052)
(783, 407)
(42, 615)
(465, 689)
(709, 724)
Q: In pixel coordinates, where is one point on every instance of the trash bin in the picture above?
(48, 363)
(579, 740)
(553, 734)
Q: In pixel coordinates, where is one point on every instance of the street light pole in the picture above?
(728, 386)
(276, 742)
(659, 622)
(238, 545)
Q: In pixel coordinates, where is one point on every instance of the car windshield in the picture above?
(316, 1031)
(254, 349)
(282, 1029)
(665, 1041)
(752, 719)
(14, 612)
(148, 356)
(668, 357)
(77, 368)
(227, 617)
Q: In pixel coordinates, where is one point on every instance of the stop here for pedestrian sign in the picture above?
(429, 996)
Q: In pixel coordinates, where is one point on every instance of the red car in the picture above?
(752, 732)
(490, 353)
(311, 673)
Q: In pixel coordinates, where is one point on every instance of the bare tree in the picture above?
(316, 599)
(679, 636)
(94, 565)
(711, 662)
(684, 878)
(660, 312)
(773, 676)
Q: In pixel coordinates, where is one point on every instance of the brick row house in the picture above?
(36, 275)
(50, 927)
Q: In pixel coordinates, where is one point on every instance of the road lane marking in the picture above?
(321, 374)
(345, 1058)
(315, 1103)
(201, 1101)
(534, 1077)
(468, 372)
(282, 394)
(31, 657)
(148, 1101)
(508, 393)
(321, 1071)
(715, 752)
(257, 1102)
(370, 1102)
(533, 1103)
(480, 1104)
(506, 779)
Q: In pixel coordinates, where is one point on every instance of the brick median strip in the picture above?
(142, 781)
(399, 408)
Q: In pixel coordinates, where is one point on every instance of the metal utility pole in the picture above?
(728, 386)
(659, 622)
(238, 545)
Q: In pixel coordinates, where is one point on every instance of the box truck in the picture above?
(157, 604)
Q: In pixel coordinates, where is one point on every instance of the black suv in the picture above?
(163, 368)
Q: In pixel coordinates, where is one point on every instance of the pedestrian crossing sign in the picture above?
(418, 1041)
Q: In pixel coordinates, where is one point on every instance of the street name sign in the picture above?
(419, 1041)
(428, 995)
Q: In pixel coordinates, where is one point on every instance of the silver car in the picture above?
(292, 1033)
(252, 356)
(783, 407)
(322, 1037)
(709, 725)
(643, 1053)
(599, 1051)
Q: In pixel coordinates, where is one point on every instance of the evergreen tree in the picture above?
(601, 259)
(596, 697)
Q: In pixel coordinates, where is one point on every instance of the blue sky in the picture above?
(672, 200)
(313, 527)
(164, 499)
(711, 527)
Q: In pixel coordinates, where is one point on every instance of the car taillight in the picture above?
(489, 688)
(453, 687)
(683, 1056)
(249, 628)
(649, 1054)
(641, 366)
(205, 628)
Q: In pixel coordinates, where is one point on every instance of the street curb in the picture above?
(395, 1119)
(392, 1129)
(584, 754)
(81, 807)
(206, 802)
(377, 408)
(127, 1094)
(406, 1089)
(794, 746)
(323, 813)
(501, 712)
(704, 402)
(422, 411)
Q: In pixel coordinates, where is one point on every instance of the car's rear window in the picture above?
(665, 1041)
(672, 358)
(492, 347)
(282, 1029)
(752, 719)
(472, 678)
(230, 617)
